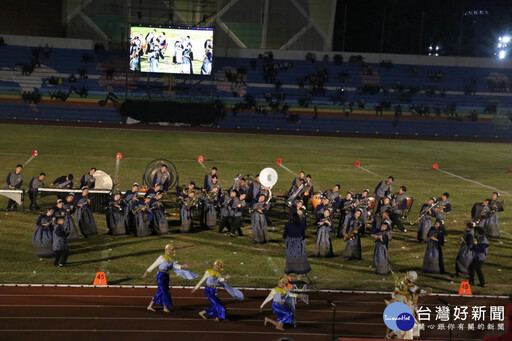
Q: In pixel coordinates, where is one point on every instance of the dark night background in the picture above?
(404, 28)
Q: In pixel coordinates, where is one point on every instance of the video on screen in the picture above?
(171, 50)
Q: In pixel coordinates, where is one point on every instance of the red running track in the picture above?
(105, 313)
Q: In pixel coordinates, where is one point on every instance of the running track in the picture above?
(113, 313)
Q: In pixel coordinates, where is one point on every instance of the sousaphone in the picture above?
(268, 178)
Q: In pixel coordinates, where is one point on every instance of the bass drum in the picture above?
(316, 199)
(371, 203)
(103, 180)
(154, 166)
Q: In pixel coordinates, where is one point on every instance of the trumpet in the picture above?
(236, 181)
(139, 209)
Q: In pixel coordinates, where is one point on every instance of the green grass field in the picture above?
(329, 160)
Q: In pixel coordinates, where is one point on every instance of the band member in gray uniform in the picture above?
(492, 224)
(14, 181)
(225, 207)
(334, 196)
(143, 217)
(323, 247)
(480, 246)
(346, 205)
(60, 244)
(444, 207)
(65, 181)
(254, 190)
(42, 239)
(296, 182)
(189, 201)
(69, 223)
(237, 210)
(399, 205)
(259, 221)
(308, 191)
(362, 203)
(116, 222)
(160, 224)
(210, 203)
(480, 212)
(380, 253)
(384, 188)
(425, 223)
(34, 184)
(208, 179)
(466, 254)
(162, 178)
(433, 261)
(84, 215)
(88, 180)
(353, 241)
(131, 198)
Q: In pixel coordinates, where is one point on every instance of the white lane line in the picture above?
(369, 171)
(202, 165)
(474, 182)
(286, 168)
(28, 160)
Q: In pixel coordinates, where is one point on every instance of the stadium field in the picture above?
(467, 171)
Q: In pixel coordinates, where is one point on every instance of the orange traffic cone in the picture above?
(278, 162)
(435, 166)
(465, 288)
(200, 159)
(100, 278)
(357, 164)
(119, 156)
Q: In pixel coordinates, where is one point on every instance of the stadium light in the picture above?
(502, 54)
(506, 39)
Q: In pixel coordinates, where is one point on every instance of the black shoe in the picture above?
(481, 285)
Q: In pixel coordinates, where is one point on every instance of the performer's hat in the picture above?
(71, 194)
(59, 200)
(135, 184)
(366, 190)
(85, 187)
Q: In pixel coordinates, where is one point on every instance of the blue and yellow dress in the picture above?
(166, 264)
(214, 278)
(283, 306)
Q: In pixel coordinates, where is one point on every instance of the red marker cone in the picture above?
(278, 162)
(119, 156)
(357, 164)
(200, 159)
(35, 152)
(435, 166)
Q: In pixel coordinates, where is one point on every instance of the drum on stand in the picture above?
(104, 182)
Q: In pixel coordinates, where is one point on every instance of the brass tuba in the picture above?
(294, 195)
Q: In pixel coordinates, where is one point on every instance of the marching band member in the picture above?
(34, 184)
(254, 190)
(380, 253)
(427, 212)
(14, 181)
(466, 255)
(131, 198)
(363, 203)
(159, 222)
(492, 224)
(88, 180)
(65, 181)
(379, 219)
(319, 210)
(84, 215)
(210, 203)
(42, 239)
(480, 212)
(399, 205)
(345, 208)
(212, 277)
(60, 245)
(165, 264)
(189, 200)
(116, 222)
(69, 223)
(142, 217)
(323, 240)
(334, 196)
(433, 260)
(479, 247)
(295, 250)
(225, 207)
(351, 236)
(236, 212)
(153, 190)
(208, 179)
(308, 190)
(296, 182)
(283, 305)
(259, 221)
(242, 187)
(298, 207)
(444, 207)
(161, 178)
(384, 188)
(214, 183)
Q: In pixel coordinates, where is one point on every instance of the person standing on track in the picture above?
(166, 264)
(283, 306)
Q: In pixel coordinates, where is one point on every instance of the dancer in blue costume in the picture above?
(166, 264)
(283, 306)
(214, 278)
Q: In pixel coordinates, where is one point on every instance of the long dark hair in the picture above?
(296, 219)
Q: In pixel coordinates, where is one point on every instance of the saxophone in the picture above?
(351, 235)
